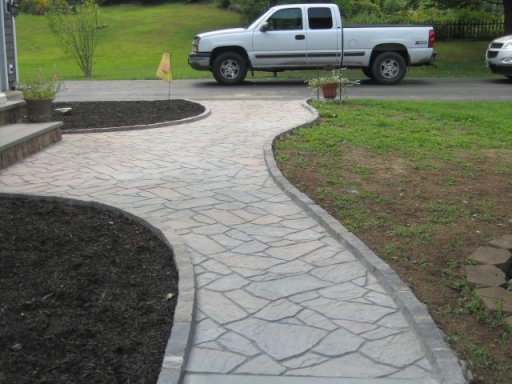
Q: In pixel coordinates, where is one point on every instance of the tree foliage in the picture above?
(76, 29)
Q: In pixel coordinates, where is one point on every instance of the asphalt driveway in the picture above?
(282, 89)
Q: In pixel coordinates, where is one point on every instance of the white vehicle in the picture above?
(309, 36)
(499, 56)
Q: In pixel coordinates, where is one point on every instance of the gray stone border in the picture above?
(186, 120)
(437, 352)
(178, 345)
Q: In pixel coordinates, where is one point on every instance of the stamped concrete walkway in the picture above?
(279, 298)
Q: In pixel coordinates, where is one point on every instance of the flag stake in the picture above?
(164, 72)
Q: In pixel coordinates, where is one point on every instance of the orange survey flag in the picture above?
(164, 69)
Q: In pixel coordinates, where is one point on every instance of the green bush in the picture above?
(448, 16)
(36, 7)
(223, 4)
(250, 9)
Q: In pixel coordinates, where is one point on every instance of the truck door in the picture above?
(280, 40)
(323, 38)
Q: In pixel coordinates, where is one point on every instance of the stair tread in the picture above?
(13, 134)
(5, 106)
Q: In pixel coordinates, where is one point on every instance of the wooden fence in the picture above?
(471, 30)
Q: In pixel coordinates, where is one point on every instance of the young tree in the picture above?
(76, 29)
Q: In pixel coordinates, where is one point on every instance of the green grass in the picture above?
(134, 37)
(130, 45)
(423, 131)
(457, 59)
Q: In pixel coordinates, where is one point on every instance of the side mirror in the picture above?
(265, 27)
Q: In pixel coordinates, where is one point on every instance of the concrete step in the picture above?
(18, 141)
(10, 112)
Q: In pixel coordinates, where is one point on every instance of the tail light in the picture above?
(431, 38)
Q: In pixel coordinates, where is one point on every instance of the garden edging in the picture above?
(186, 120)
(438, 353)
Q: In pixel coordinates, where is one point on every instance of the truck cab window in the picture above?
(320, 18)
(285, 20)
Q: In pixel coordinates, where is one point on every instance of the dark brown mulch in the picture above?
(104, 114)
(83, 295)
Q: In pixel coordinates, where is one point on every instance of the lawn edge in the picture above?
(445, 363)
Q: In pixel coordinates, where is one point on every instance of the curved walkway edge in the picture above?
(186, 120)
(179, 340)
(439, 354)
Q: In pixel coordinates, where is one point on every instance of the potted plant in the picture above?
(39, 92)
(331, 83)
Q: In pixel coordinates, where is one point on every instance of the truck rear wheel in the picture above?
(229, 68)
(389, 68)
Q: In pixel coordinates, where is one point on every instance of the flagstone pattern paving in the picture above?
(276, 294)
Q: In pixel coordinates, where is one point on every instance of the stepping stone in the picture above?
(484, 275)
(494, 295)
(504, 241)
(500, 258)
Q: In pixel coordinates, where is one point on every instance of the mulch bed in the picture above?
(83, 295)
(103, 114)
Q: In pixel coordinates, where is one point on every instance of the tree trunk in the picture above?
(507, 7)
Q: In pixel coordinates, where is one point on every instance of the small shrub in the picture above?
(42, 87)
(76, 30)
(36, 7)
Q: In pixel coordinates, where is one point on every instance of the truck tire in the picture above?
(389, 68)
(229, 68)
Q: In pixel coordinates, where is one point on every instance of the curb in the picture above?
(178, 344)
(437, 352)
(186, 120)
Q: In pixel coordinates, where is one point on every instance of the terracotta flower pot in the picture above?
(39, 111)
(329, 90)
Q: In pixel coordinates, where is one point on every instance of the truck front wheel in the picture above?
(389, 68)
(229, 68)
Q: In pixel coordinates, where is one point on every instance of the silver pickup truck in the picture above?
(310, 36)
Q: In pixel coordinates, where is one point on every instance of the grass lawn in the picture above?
(131, 42)
(457, 59)
(423, 184)
(134, 37)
